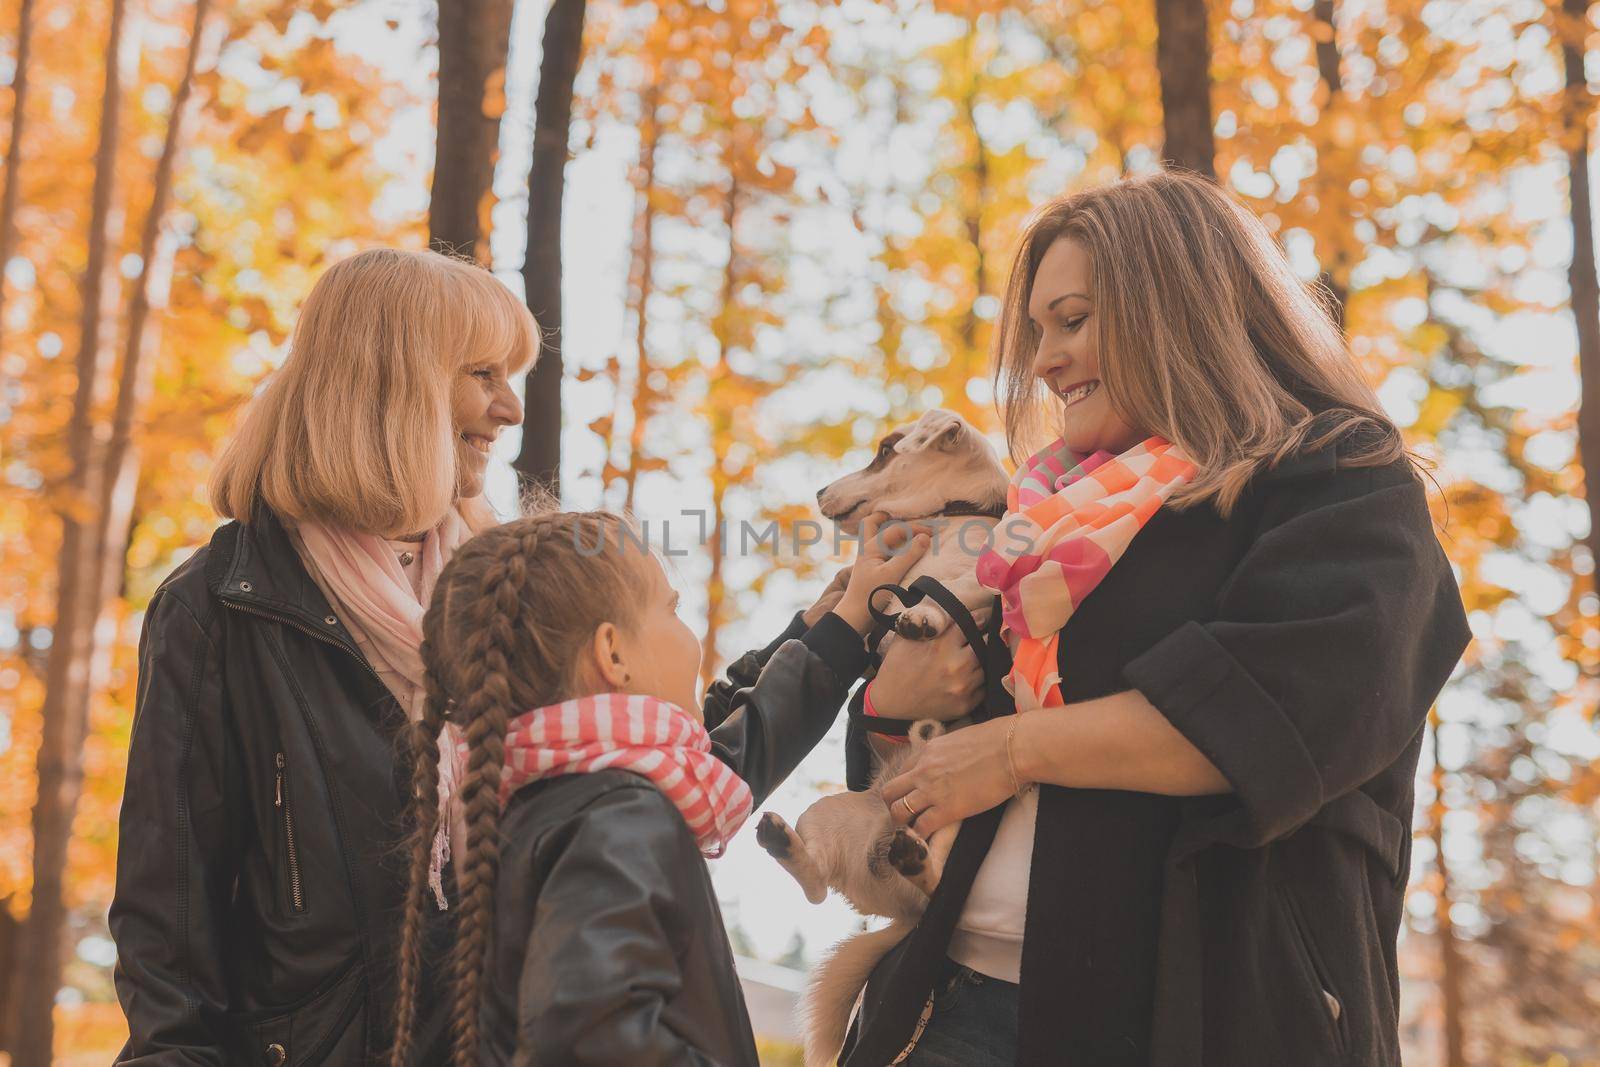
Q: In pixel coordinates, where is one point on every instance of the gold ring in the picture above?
(911, 813)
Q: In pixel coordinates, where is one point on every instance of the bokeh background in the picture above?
(767, 230)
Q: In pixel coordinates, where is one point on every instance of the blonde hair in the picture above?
(354, 430)
(1206, 336)
(509, 617)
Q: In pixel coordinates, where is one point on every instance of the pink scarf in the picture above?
(642, 734)
(364, 578)
(1067, 522)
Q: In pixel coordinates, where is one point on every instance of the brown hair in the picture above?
(354, 429)
(1206, 335)
(503, 632)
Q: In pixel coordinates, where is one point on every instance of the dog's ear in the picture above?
(938, 428)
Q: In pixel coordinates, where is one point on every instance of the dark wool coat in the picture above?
(1299, 644)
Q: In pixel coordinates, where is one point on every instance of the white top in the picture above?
(988, 936)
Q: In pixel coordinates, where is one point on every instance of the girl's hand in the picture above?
(886, 555)
(829, 599)
(955, 775)
(939, 679)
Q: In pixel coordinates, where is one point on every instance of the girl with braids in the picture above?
(587, 926)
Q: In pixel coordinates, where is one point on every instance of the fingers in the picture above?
(908, 809)
(903, 559)
(883, 536)
(930, 821)
(897, 787)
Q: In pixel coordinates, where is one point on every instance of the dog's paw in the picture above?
(921, 623)
(908, 853)
(774, 835)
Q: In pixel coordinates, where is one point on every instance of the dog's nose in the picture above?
(819, 494)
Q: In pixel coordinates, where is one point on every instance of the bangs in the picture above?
(493, 326)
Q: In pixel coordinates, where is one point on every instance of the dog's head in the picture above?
(923, 469)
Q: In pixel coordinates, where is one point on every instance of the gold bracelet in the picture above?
(1017, 787)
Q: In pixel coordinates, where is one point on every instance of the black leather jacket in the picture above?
(259, 877)
(259, 874)
(609, 947)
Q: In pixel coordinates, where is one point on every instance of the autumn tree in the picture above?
(1183, 56)
(67, 674)
(1573, 27)
(539, 461)
(217, 249)
(19, 116)
(474, 36)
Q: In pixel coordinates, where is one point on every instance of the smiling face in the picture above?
(1061, 308)
(481, 403)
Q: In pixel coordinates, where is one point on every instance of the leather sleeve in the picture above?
(773, 723)
(619, 889)
(177, 859)
(743, 672)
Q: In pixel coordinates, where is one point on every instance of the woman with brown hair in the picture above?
(1227, 616)
(588, 930)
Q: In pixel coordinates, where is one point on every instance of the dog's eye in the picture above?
(885, 448)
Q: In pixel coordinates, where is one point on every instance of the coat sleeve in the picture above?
(619, 889)
(743, 672)
(1332, 639)
(773, 723)
(178, 847)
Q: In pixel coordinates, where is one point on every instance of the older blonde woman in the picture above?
(1228, 614)
(258, 882)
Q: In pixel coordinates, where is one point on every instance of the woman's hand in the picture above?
(829, 599)
(887, 553)
(954, 775)
(939, 679)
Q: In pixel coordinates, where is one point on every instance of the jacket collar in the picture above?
(255, 567)
(1303, 464)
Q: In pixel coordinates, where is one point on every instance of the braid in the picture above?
(485, 615)
(491, 626)
(423, 738)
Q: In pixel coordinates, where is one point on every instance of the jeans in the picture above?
(973, 1022)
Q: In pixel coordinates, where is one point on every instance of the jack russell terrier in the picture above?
(939, 468)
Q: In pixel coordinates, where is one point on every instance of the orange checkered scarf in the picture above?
(1068, 520)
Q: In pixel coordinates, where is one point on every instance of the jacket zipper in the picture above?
(297, 896)
(308, 631)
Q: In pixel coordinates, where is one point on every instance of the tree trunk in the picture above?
(120, 482)
(8, 954)
(539, 461)
(720, 417)
(1449, 949)
(1325, 16)
(1183, 60)
(643, 284)
(474, 36)
(1581, 271)
(37, 974)
(13, 174)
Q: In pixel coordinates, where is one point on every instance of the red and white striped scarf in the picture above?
(642, 734)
